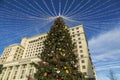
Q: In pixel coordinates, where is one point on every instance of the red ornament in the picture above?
(29, 76)
(58, 79)
(49, 75)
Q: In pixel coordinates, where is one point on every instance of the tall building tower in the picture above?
(17, 59)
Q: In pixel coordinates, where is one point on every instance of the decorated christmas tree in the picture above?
(58, 60)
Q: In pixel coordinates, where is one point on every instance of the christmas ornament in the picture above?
(61, 39)
(58, 79)
(58, 71)
(59, 43)
(55, 68)
(42, 68)
(44, 62)
(67, 71)
(45, 74)
(60, 49)
(56, 25)
(65, 67)
(57, 56)
(49, 75)
(75, 65)
(67, 44)
(63, 36)
(72, 62)
(63, 54)
(52, 51)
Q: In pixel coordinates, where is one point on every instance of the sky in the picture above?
(101, 20)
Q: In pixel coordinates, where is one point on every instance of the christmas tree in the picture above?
(58, 60)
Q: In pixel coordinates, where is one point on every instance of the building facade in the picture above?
(17, 59)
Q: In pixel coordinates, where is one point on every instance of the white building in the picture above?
(17, 58)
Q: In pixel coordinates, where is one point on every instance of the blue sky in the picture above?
(101, 20)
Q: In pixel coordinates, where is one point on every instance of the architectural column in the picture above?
(5, 74)
(19, 72)
(2, 74)
(34, 71)
(12, 71)
(27, 70)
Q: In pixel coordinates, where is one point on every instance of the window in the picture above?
(73, 39)
(80, 46)
(79, 42)
(79, 38)
(2, 76)
(17, 67)
(78, 34)
(82, 61)
(22, 75)
(31, 71)
(41, 37)
(81, 51)
(93, 73)
(77, 28)
(24, 66)
(15, 75)
(85, 73)
(75, 43)
(73, 36)
(8, 75)
(82, 56)
(84, 67)
(31, 65)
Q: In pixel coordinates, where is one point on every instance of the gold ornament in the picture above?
(55, 68)
(60, 49)
(67, 71)
(57, 56)
(58, 43)
(65, 67)
(63, 54)
(45, 74)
